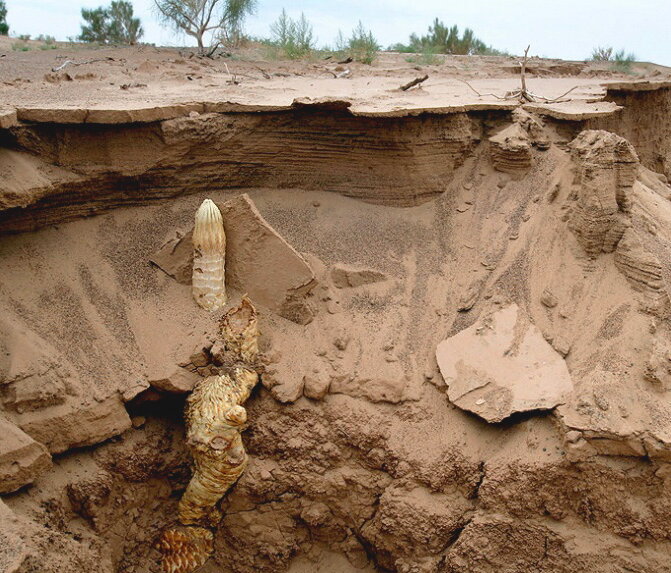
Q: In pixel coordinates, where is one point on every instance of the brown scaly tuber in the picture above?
(214, 421)
(209, 257)
(185, 549)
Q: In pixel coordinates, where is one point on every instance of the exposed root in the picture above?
(215, 418)
(522, 94)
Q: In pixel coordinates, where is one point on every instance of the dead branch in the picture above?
(478, 93)
(522, 94)
(233, 79)
(213, 49)
(562, 95)
(523, 71)
(265, 74)
(67, 63)
(415, 82)
(338, 75)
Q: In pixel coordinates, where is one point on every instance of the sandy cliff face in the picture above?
(544, 252)
(83, 169)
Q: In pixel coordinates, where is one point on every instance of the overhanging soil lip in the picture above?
(151, 114)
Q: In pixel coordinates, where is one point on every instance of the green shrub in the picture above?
(602, 54)
(402, 48)
(48, 40)
(294, 38)
(24, 37)
(114, 24)
(442, 39)
(623, 62)
(361, 45)
(20, 47)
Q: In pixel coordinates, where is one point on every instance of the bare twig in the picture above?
(338, 75)
(67, 63)
(265, 74)
(210, 54)
(562, 95)
(415, 82)
(522, 94)
(233, 78)
(477, 92)
(523, 70)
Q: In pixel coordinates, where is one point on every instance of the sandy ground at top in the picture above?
(141, 76)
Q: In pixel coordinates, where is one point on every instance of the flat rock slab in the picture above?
(577, 110)
(502, 365)
(22, 459)
(259, 261)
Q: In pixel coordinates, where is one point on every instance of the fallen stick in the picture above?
(265, 74)
(342, 74)
(73, 63)
(414, 82)
(63, 65)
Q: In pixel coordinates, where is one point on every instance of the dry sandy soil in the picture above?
(464, 306)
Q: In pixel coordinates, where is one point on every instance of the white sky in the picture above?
(566, 29)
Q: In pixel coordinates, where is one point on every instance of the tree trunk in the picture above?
(199, 39)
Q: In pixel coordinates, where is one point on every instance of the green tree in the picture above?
(123, 27)
(112, 25)
(96, 27)
(4, 28)
(198, 18)
(362, 45)
(294, 37)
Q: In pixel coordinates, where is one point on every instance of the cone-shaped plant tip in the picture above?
(209, 257)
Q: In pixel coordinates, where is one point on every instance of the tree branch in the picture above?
(414, 82)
